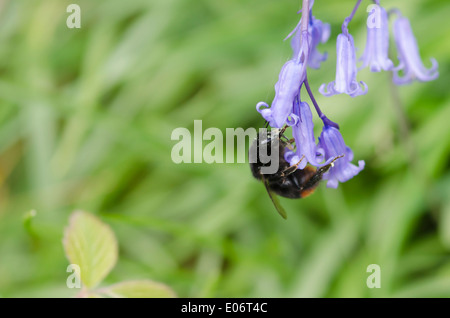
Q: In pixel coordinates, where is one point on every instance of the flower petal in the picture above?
(345, 70)
(377, 45)
(305, 141)
(287, 89)
(332, 142)
(408, 53)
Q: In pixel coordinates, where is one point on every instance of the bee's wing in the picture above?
(274, 199)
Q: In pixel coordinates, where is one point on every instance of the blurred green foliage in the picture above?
(86, 117)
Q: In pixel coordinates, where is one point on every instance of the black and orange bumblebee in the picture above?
(287, 181)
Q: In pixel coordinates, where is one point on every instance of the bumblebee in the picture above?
(287, 181)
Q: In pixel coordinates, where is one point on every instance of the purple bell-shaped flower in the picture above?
(377, 45)
(345, 70)
(408, 53)
(333, 144)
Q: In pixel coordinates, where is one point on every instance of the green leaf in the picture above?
(91, 244)
(138, 289)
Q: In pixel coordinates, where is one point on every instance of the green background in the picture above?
(86, 117)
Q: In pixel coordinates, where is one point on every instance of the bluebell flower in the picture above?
(303, 133)
(377, 45)
(408, 53)
(333, 144)
(345, 70)
(291, 77)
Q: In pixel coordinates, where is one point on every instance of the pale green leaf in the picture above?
(91, 244)
(138, 289)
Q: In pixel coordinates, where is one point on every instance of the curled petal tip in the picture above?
(330, 87)
(361, 89)
(260, 105)
(292, 120)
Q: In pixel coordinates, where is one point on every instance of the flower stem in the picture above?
(404, 127)
(305, 16)
(303, 56)
(349, 18)
(322, 116)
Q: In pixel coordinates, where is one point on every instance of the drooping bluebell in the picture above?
(377, 44)
(333, 144)
(345, 70)
(411, 65)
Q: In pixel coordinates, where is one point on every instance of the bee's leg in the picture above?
(292, 168)
(288, 141)
(311, 182)
(282, 130)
